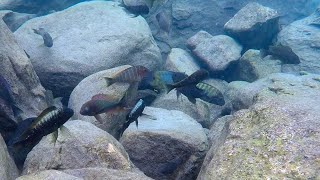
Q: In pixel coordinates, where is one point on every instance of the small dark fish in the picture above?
(203, 91)
(164, 22)
(194, 78)
(30, 131)
(158, 80)
(133, 115)
(171, 166)
(129, 75)
(47, 39)
(47, 122)
(285, 53)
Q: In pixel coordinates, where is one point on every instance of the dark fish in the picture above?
(30, 131)
(164, 22)
(47, 122)
(47, 39)
(99, 104)
(194, 78)
(129, 75)
(285, 53)
(136, 9)
(133, 115)
(158, 80)
(203, 91)
(171, 166)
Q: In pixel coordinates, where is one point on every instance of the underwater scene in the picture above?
(159, 89)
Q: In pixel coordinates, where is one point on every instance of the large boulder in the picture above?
(254, 26)
(17, 69)
(302, 37)
(190, 16)
(277, 138)
(252, 67)
(104, 173)
(48, 175)
(79, 145)
(170, 147)
(181, 60)
(215, 52)
(8, 170)
(87, 38)
(96, 84)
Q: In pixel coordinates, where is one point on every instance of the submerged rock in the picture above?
(181, 61)
(170, 147)
(254, 26)
(87, 38)
(215, 52)
(14, 20)
(17, 69)
(8, 170)
(277, 138)
(252, 67)
(303, 39)
(104, 173)
(79, 145)
(48, 175)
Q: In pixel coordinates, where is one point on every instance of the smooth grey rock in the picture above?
(87, 38)
(96, 84)
(198, 38)
(14, 20)
(252, 67)
(217, 52)
(278, 137)
(136, 6)
(8, 170)
(181, 61)
(170, 147)
(254, 26)
(104, 173)
(303, 38)
(17, 69)
(79, 145)
(191, 16)
(49, 175)
(216, 137)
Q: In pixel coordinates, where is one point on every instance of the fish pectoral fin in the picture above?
(55, 135)
(178, 93)
(136, 123)
(98, 118)
(192, 100)
(149, 116)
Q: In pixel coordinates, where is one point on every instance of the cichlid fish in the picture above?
(203, 91)
(129, 75)
(193, 79)
(30, 131)
(133, 115)
(47, 39)
(48, 121)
